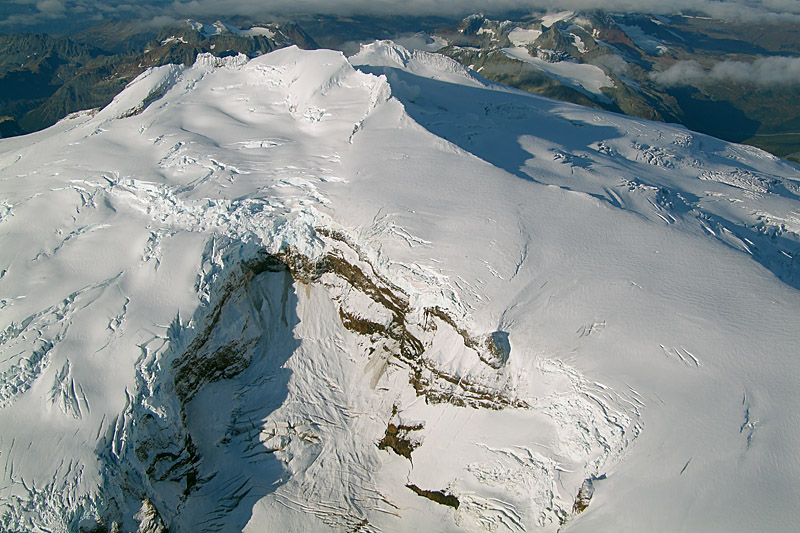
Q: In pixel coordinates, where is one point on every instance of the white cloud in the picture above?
(762, 10)
(611, 62)
(51, 7)
(764, 71)
(681, 73)
(751, 10)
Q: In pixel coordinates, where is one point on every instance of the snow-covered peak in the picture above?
(420, 62)
(206, 29)
(220, 28)
(552, 17)
(379, 293)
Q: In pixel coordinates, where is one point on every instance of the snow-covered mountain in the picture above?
(303, 292)
(721, 77)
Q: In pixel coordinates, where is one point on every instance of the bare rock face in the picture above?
(498, 346)
(149, 519)
(584, 497)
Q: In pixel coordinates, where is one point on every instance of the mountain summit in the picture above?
(302, 292)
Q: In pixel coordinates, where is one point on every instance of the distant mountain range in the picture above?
(43, 78)
(731, 80)
(734, 81)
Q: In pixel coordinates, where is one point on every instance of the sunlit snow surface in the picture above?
(646, 278)
(585, 78)
(522, 37)
(551, 18)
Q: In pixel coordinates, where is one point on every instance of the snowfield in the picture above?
(582, 77)
(304, 292)
(522, 36)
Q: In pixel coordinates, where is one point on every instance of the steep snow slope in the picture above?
(301, 292)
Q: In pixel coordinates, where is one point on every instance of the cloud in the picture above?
(51, 7)
(756, 10)
(681, 73)
(15, 12)
(764, 71)
(611, 62)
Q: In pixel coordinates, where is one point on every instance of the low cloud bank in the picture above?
(764, 71)
(15, 15)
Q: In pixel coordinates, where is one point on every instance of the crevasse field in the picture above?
(305, 292)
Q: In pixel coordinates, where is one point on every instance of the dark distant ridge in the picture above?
(44, 78)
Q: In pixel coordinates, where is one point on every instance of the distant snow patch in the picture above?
(551, 18)
(173, 39)
(648, 43)
(587, 79)
(421, 41)
(219, 28)
(579, 44)
(521, 37)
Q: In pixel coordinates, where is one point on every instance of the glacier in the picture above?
(305, 292)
